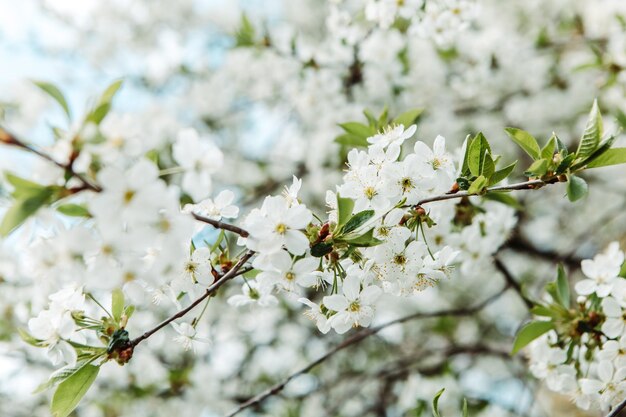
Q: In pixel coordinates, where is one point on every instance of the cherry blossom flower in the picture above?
(355, 307)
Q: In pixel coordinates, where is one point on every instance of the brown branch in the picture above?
(512, 282)
(232, 273)
(10, 139)
(618, 408)
(526, 185)
(221, 225)
(357, 338)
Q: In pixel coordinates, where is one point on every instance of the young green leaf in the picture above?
(358, 220)
(613, 156)
(23, 209)
(565, 164)
(344, 210)
(111, 91)
(54, 92)
(30, 339)
(548, 150)
(525, 140)
(321, 249)
(488, 166)
(576, 188)
(350, 140)
(476, 151)
(74, 210)
(72, 390)
(478, 185)
(530, 332)
(592, 134)
(465, 412)
(365, 240)
(501, 174)
(246, 33)
(436, 412)
(407, 118)
(117, 304)
(562, 287)
(538, 168)
(358, 129)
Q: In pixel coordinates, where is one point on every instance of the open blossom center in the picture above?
(289, 276)
(128, 196)
(370, 192)
(407, 184)
(281, 229)
(354, 306)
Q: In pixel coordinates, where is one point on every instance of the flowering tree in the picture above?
(167, 242)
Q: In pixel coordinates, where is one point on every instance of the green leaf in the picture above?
(344, 210)
(562, 287)
(358, 129)
(352, 141)
(478, 185)
(593, 132)
(543, 311)
(71, 391)
(246, 33)
(538, 168)
(475, 158)
(613, 156)
(28, 338)
(436, 403)
(525, 140)
(74, 210)
(465, 172)
(54, 92)
(488, 166)
(129, 310)
(504, 198)
(382, 119)
(548, 150)
(576, 188)
(501, 174)
(530, 332)
(111, 91)
(358, 220)
(99, 113)
(321, 249)
(22, 209)
(23, 188)
(371, 119)
(60, 375)
(365, 240)
(565, 164)
(465, 412)
(117, 304)
(407, 118)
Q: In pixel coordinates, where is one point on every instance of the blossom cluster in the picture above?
(583, 357)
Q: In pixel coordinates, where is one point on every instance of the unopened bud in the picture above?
(455, 188)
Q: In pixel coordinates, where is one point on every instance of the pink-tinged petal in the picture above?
(335, 302)
(351, 287)
(296, 242)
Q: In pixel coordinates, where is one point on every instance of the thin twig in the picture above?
(526, 185)
(221, 225)
(618, 408)
(10, 139)
(512, 282)
(357, 338)
(233, 272)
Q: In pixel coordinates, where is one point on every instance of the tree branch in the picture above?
(233, 272)
(512, 282)
(618, 408)
(357, 338)
(221, 225)
(526, 185)
(10, 139)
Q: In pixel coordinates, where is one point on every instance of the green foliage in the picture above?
(344, 211)
(562, 288)
(613, 156)
(530, 332)
(356, 133)
(117, 304)
(438, 395)
(408, 118)
(526, 141)
(592, 134)
(104, 103)
(576, 188)
(72, 390)
(245, 35)
(73, 210)
(54, 92)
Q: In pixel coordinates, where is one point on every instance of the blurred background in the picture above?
(269, 81)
